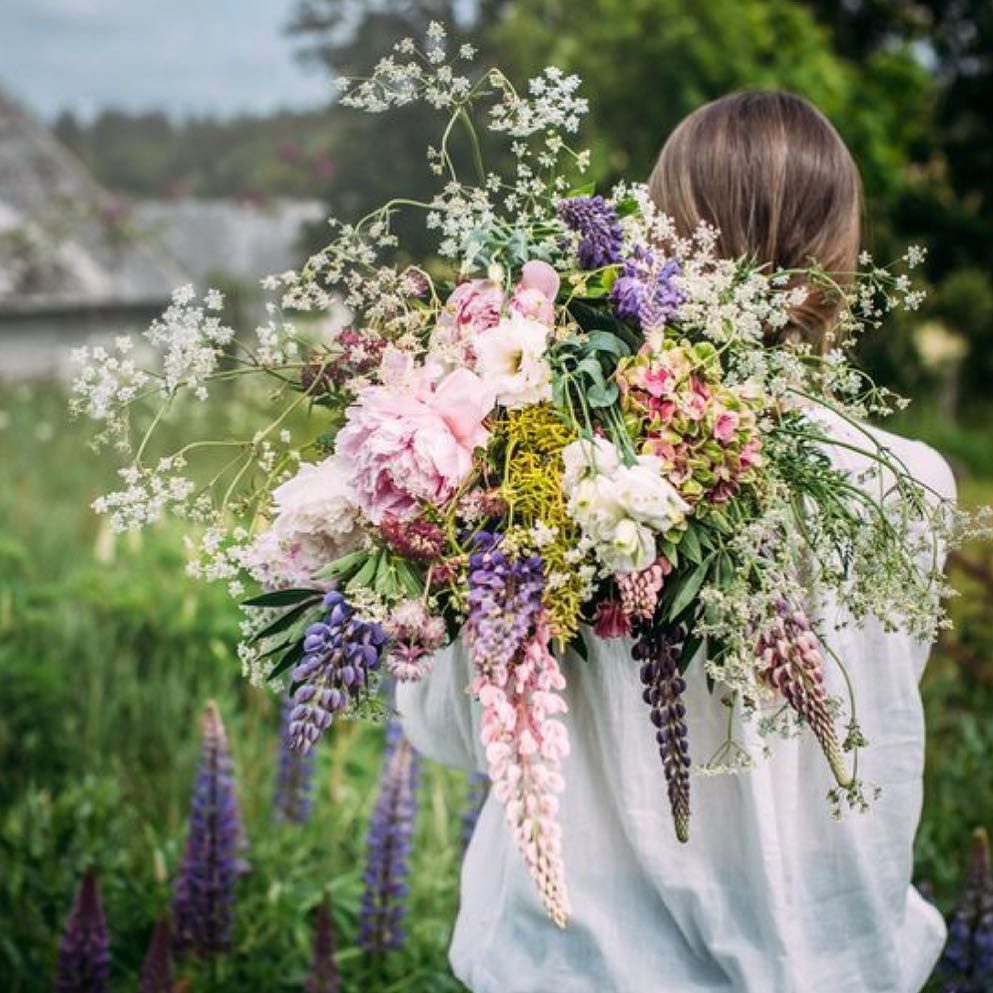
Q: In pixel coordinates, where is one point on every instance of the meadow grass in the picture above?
(107, 656)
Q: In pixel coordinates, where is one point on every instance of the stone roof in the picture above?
(65, 243)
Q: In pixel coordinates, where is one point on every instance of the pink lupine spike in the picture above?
(794, 666)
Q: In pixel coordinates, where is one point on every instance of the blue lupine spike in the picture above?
(84, 952)
(292, 798)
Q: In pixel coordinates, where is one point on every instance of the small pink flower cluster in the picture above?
(415, 635)
(477, 306)
(705, 433)
(640, 590)
(525, 745)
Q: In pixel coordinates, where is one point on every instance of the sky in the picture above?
(181, 56)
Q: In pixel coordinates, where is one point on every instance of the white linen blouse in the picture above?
(769, 895)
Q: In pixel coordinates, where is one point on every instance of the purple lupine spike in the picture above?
(646, 291)
(388, 845)
(504, 600)
(658, 650)
(84, 952)
(323, 976)
(793, 664)
(156, 972)
(967, 960)
(479, 788)
(292, 799)
(204, 895)
(340, 653)
(600, 230)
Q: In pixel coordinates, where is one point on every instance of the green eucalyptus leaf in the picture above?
(282, 598)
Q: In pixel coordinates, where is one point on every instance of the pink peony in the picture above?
(412, 440)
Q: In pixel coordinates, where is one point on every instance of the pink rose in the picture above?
(412, 441)
(725, 425)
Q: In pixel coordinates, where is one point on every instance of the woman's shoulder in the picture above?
(859, 441)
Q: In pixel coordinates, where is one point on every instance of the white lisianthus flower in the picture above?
(316, 521)
(631, 547)
(593, 502)
(648, 497)
(510, 359)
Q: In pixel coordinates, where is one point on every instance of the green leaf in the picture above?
(689, 588)
(627, 207)
(287, 660)
(602, 395)
(690, 546)
(690, 647)
(282, 598)
(586, 190)
(606, 341)
(284, 621)
(342, 567)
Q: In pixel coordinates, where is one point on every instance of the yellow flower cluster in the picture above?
(534, 438)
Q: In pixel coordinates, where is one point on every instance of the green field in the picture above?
(107, 655)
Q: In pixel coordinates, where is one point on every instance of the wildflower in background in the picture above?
(204, 894)
(793, 664)
(84, 952)
(323, 976)
(967, 961)
(596, 221)
(340, 654)
(415, 634)
(658, 650)
(479, 788)
(156, 971)
(388, 845)
(292, 799)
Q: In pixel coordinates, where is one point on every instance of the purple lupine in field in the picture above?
(388, 845)
(794, 665)
(658, 650)
(504, 601)
(323, 976)
(156, 971)
(596, 221)
(967, 961)
(204, 895)
(479, 787)
(292, 798)
(340, 652)
(84, 952)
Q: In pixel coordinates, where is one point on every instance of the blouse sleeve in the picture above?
(438, 715)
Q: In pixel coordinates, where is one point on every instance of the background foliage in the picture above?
(108, 653)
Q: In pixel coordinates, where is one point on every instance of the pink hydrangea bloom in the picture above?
(412, 439)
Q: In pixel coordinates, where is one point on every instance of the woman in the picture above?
(770, 895)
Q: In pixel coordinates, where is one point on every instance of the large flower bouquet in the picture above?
(571, 423)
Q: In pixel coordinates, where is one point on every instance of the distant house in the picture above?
(70, 266)
(77, 262)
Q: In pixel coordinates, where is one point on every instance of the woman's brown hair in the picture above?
(771, 173)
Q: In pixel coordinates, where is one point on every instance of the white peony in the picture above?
(316, 521)
(510, 359)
